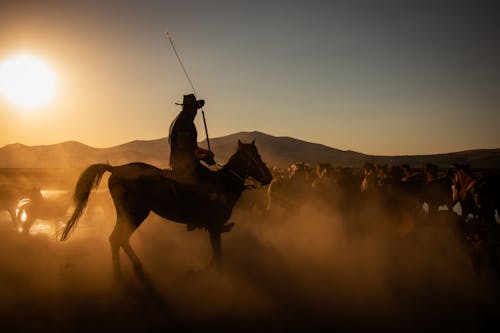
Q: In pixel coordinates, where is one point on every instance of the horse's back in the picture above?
(136, 169)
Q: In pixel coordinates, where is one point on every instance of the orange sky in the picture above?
(386, 80)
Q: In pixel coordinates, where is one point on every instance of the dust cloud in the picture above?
(283, 271)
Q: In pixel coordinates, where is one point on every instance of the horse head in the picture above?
(248, 163)
(407, 172)
(368, 168)
(462, 177)
(431, 171)
(369, 182)
(323, 170)
(382, 174)
(396, 173)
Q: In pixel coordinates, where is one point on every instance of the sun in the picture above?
(27, 82)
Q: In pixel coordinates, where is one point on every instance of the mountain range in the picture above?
(275, 151)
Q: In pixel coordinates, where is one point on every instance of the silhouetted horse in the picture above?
(139, 188)
(461, 181)
(288, 192)
(39, 207)
(324, 185)
(438, 188)
(477, 194)
(369, 184)
(413, 186)
(389, 198)
(10, 198)
(339, 188)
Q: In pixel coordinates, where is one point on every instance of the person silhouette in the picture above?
(185, 155)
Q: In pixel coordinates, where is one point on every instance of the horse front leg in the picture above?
(215, 242)
(27, 213)
(13, 217)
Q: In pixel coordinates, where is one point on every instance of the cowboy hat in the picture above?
(190, 100)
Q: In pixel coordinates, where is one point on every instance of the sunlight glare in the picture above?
(27, 82)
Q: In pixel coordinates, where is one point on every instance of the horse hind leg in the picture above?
(115, 240)
(136, 263)
(120, 238)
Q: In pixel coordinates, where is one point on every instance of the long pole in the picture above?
(169, 37)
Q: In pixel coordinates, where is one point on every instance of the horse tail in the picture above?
(89, 179)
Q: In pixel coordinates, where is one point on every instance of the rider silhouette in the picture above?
(185, 155)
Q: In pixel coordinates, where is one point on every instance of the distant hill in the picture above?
(275, 151)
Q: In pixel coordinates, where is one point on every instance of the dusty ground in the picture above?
(281, 274)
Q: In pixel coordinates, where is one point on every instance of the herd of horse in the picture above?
(476, 191)
(375, 196)
(397, 199)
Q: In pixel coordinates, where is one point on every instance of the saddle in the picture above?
(189, 190)
(185, 186)
(181, 186)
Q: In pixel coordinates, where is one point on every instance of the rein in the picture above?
(236, 177)
(241, 179)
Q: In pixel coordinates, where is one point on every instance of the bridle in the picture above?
(242, 178)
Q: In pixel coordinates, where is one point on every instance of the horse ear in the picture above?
(239, 143)
(253, 142)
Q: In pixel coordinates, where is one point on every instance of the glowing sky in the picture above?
(380, 77)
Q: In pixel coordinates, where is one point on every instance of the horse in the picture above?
(479, 195)
(462, 177)
(11, 196)
(36, 206)
(410, 188)
(289, 191)
(139, 188)
(324, 184)
(390, 198)
(339, 188)
(438, 189)
(369, 184)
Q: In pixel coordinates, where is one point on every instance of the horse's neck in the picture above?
(234, 173)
